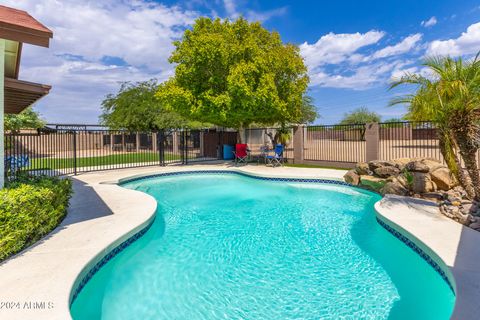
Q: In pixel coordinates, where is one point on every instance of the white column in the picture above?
(202, 143)
(175, 141)
(137, 142)
(154, 141)
(2, 110)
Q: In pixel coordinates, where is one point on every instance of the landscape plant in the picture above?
(27, 119)
(450, 96)
(30, 207)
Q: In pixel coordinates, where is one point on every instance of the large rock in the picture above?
(362, 168)
(422, 183)
(394, 187)
(401, 162)
(403, 180)
(433, 164)
(373, 183)
(385, 172)
(442, 178)
(423, 165)
(417, 166)
(352, 177)
(375, 164)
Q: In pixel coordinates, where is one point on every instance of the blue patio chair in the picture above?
(15, 163)
(277, 158)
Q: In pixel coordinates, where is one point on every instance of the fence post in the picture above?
(137, 141)
(298, 144)
(159, 141)
(154, 141)
(202, 143)
(74, 152)
(175, 141)
(372, 138)
(185, 146)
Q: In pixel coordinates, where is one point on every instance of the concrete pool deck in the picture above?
(37, 283)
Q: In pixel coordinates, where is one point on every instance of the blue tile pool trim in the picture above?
(176, 173)
(105, 259)
(140, 233)
(418, 250)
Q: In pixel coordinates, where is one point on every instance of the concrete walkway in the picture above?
(37, 283)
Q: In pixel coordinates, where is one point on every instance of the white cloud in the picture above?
(266, 15)
(403, 46)
(334, 48)
(429, 23)
(230, 8)
(138, 32)
(233, 12)
(467, 43)
(361, 78)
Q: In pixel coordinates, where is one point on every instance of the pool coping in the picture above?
(455, 248)
(464, 309)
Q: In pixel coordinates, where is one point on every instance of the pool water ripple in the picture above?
(233, 247)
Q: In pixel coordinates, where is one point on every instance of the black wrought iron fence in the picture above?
(335, 143)
(408, 140)
(59, 150)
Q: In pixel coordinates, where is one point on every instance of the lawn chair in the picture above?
(15, 163)
(277, 158)
(241, 153)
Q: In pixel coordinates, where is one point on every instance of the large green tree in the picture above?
(451, 98)
(27, 119)
(360, 116)
(135, 107)
(233, 74)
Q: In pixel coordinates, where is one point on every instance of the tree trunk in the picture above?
(469, 154)
(447, 146)
(240, 133)
(470, 160)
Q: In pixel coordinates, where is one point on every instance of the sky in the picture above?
(353, 49)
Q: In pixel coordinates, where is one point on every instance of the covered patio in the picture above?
(17, 27)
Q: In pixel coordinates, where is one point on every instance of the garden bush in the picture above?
(31, 207)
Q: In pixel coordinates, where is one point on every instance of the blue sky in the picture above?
(352, 48)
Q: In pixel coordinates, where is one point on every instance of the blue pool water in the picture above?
(233, 247)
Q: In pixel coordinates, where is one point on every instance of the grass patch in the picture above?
(112, 159)
(30, 208)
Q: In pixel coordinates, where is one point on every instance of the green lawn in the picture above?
(113, 159)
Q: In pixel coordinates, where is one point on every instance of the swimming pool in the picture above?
(230, 246)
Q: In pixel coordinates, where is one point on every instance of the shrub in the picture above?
(31, 207)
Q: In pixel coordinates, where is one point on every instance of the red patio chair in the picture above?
(241, 153)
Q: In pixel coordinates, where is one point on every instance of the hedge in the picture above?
(30, 208)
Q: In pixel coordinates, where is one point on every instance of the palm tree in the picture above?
(450, 98)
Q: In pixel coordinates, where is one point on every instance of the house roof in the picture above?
(18, 25)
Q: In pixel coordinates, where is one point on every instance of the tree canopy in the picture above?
(236, 73)
(27, 119)
(309, 111)
(360, 115)
(135, 107)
